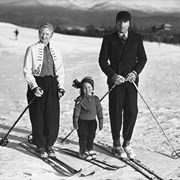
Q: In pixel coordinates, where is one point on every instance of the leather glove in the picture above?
(61, 93)
(131, 77)
(100, 124)
(38, 92)
(75, 124)
(118, 79)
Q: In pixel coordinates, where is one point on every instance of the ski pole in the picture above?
(156, 120)
(108, 92)
(100, 101)
(4, 140)
(62, 140)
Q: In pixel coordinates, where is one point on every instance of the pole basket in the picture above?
(3, 141)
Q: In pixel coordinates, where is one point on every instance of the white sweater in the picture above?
(33, 61)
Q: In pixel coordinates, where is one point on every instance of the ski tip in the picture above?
(80, 170)
(77, 173)
(88, 174)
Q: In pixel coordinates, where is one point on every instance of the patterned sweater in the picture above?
(87, 107)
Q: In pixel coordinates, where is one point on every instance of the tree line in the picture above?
(161, 33)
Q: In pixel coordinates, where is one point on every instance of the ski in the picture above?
(46, 160)
(143, 166)
(139, 163)
(148, 174)
(55, 163)
(96, 162)
(70, 168)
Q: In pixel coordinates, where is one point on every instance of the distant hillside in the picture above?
(31, 13)
(141, 5)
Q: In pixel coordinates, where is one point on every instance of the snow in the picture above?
(159, 86)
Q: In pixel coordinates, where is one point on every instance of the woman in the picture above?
(43, 70)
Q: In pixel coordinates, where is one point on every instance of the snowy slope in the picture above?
(159, 85)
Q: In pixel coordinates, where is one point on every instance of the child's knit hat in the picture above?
(89, 80)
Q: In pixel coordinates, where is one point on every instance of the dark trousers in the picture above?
(123, 103)
(44, 112)
(86, 134)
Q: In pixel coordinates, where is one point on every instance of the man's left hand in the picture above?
(131, 77)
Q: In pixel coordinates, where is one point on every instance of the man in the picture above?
(44, 72)
(122, 58)
(16, 34)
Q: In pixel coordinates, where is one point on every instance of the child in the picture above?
(87, 106)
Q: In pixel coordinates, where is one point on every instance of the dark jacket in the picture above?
(116, 58)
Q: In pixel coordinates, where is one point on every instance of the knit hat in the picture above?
(89, 80)
(123, 16)
(48, 25)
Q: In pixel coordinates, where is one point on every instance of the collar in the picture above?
(43, 45)
(121, 34)
(88, 96)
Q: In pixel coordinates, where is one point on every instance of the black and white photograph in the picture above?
(90, 89)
